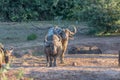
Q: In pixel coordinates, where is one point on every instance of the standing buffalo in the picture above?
(5, 56)
(52, 49)
(66, 34)
(53, 36)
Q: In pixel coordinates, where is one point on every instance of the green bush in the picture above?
(31, 37)
(102, 15)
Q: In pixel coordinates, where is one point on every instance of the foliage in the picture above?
(20, 74)
(2, 74)
(101, 15)
(17, 75)
(32, 36)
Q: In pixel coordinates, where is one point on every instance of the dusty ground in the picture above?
(88, 66)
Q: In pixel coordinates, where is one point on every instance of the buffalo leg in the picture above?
(47, 57)
(62, 56)
(0, 66)
(51, 60)
(63, 52)
(55, 63)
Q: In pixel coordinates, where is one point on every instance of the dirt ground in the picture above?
(87, 66)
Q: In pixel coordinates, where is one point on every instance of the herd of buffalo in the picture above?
(55, 44)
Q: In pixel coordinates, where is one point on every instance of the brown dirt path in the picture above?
(89, 67)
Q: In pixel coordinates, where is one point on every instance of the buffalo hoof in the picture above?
(50, 65)
(47, 65)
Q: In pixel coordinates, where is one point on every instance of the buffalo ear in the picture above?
(11, 50)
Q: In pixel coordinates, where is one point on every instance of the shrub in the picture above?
(102, 15)
(32, 37)
(20, 74)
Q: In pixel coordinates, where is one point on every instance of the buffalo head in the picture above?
(67, 33)
(8, 54)
(52, 39)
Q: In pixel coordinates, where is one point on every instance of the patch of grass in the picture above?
(20, 74)
(13, 75)
(38, 53)
(108, 34)
(31, 37)
(2, 75)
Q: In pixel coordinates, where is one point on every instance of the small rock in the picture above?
(74, 64)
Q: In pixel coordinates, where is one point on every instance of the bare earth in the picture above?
(87, 66)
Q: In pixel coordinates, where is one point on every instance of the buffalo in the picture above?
(52, 49)
(66, 34)
(57, 39)
(5, 56)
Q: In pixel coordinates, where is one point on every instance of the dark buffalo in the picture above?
(52, 49)
(5, 56)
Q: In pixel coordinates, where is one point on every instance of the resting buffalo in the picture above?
(52, 49)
